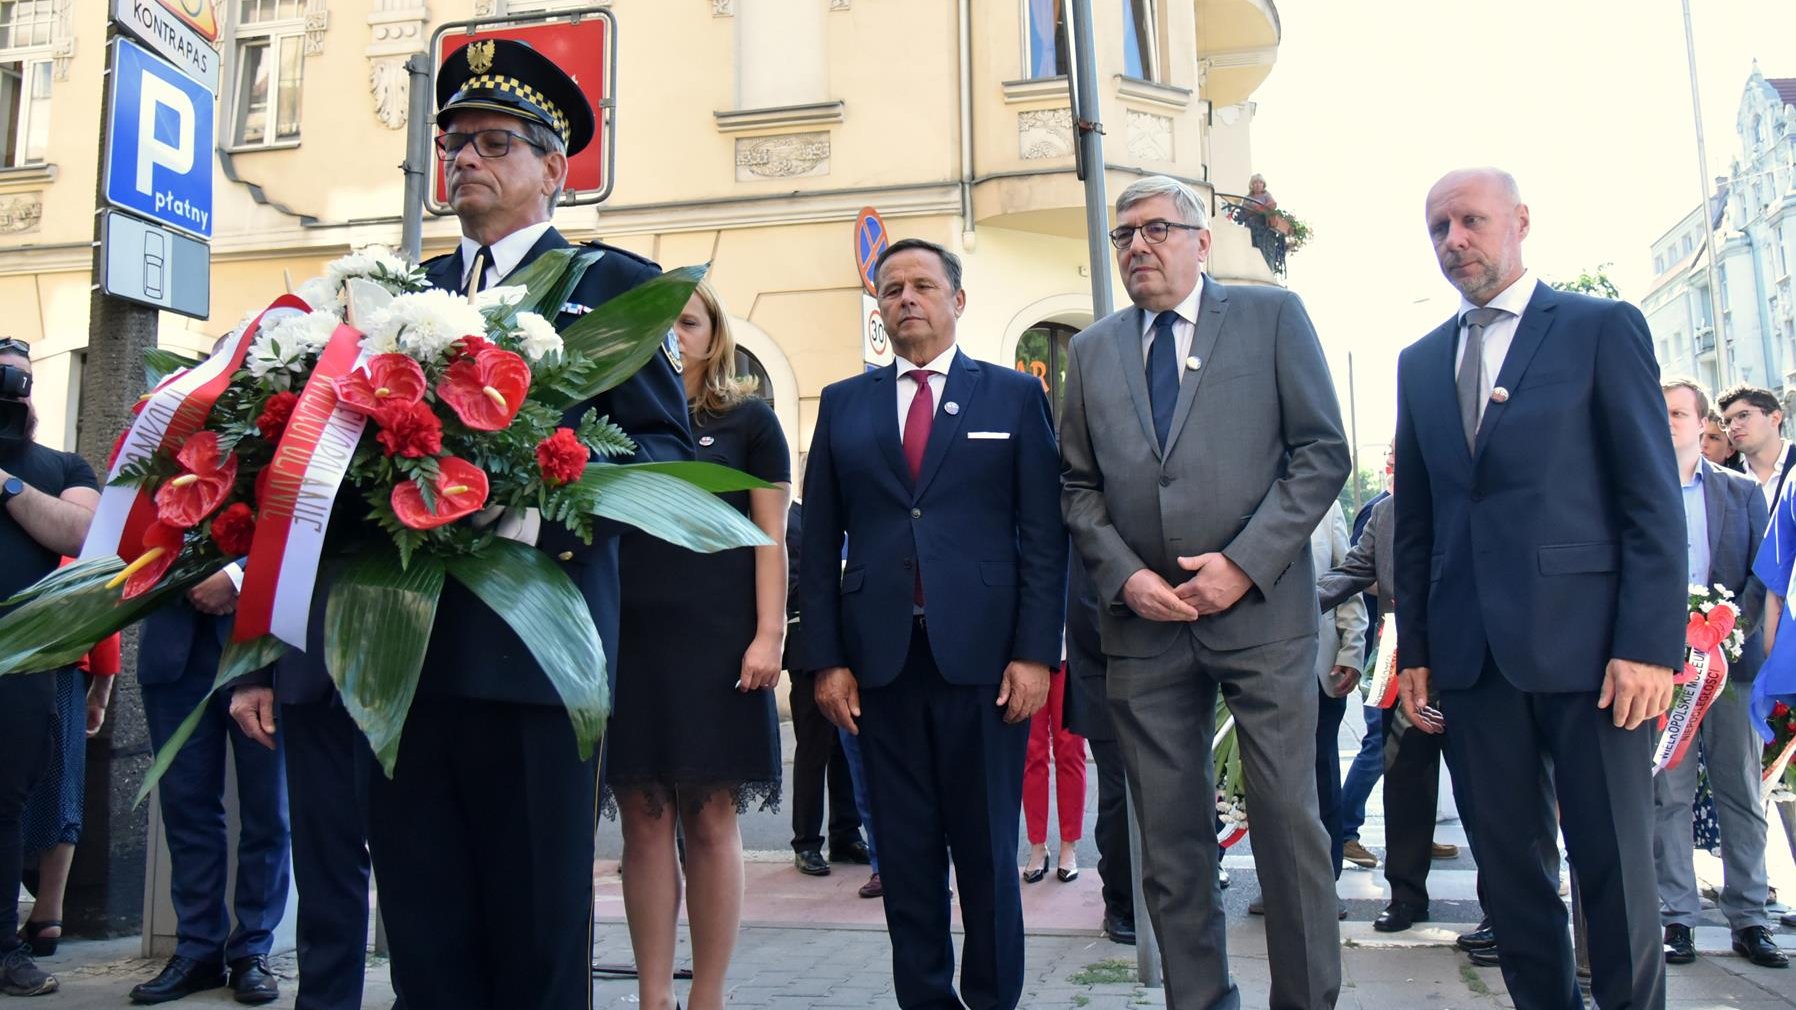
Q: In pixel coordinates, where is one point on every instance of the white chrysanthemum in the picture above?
(500, 296)
(321, 293)
(289, 343)
(423, 324)
(537, 335)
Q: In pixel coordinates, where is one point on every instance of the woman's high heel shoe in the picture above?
(41, 946)
(1033, 875)
(1066, 876)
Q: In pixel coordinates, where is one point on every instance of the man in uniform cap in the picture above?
(483, 839)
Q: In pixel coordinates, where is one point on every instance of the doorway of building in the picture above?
(1041, 352)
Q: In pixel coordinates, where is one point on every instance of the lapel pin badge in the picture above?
(706, 439)
(1499, 395)
(1194, 362)
(951, 407)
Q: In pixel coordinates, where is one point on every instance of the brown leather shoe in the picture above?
(1358, 854)
(872, 888)
(1443, 850)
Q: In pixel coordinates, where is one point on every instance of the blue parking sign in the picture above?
(159, 142)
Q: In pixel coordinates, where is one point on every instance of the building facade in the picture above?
(1753, 215)
(749, 135)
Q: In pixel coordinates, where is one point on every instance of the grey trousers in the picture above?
(1164, 708)
(1732, 748)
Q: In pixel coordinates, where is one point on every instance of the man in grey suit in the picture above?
(1191, 499)
(1725, 517)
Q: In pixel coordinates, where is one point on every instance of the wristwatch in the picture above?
(11, 488)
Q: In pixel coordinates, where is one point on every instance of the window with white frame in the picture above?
(1045, 49)
(25, 76)
(270, 68)
(1141, 45)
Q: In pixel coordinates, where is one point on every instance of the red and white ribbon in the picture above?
(1231, 811)
(301, 486)
(176, 409)
(1382, 692)
(1679, 725)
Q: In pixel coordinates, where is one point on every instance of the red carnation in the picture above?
(386, 379)
(161, 547)
(561, 457)
(275, 413)
(410, 430)
(469, 346)
(233, 529)
(195, 494)
(486, 391)
(1779, 710)
(460, 490)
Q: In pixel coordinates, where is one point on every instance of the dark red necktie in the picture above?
(916, 439)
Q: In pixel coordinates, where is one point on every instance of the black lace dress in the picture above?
(678, 725)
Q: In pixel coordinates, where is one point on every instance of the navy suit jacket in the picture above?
(169, 632)
(1558, 543)
(983, 520)
(473, 653)
(1737, 519)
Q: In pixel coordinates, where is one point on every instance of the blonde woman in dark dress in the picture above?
(694, 735)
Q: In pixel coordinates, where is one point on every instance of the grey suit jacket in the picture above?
(1737, 519)
(1368, 566)
(1254, 458)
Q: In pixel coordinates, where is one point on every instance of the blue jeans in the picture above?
(851, 749)
(1362, 775)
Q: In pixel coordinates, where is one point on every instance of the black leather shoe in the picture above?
(1222, 879)
(1482, 938)
(810, 863)
(252, 982)
(1120, 929)
(1399, 916)
(853, 852)
(1680, 948)
(1754, 944)
(1486, 958)
(181, 976)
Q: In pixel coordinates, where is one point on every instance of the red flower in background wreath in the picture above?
(234, 529)
(561, 458)
(161, 548)
(470, 346)
(486, 391)
(411, 430)
(275, 415)
(209, 475)
(460, 490)
(385, 381)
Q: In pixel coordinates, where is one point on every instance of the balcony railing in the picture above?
(1272, 240)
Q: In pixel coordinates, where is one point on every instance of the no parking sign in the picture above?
(870, 241)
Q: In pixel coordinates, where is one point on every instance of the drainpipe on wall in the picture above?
(967, 238)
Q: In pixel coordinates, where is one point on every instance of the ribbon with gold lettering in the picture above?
(300, 486)
(165, 418)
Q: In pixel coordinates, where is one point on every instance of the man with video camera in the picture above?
(47, 499)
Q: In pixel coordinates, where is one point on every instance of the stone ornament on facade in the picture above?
(838, 5)
(396, 29)
(62, 41)
(786, 156)
(318, 19)
(21, 213)
(1045, 133)
(723, 8)
(1150, 136)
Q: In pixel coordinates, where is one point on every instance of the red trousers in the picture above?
(1047, 731)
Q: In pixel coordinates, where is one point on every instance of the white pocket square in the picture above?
(988, 434)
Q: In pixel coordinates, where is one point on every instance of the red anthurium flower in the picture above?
(1700, 635)
(561, 457)
(460, 490)
(470, 346)
(410, 430)
(185, 500)
(1722, 619)
(234, 529)
(388, 379)
(275, 413)
(161, 547)
(486, 391)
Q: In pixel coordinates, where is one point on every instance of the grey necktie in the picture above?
(1471, 370)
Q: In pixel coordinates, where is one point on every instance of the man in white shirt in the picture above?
(1754, 420)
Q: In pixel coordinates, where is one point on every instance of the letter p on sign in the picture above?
(163, 110)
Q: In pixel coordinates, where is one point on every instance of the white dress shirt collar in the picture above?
(1186, 309)
(939, 364)
(1513, 299)
(508, 252)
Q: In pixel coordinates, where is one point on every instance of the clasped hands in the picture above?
(1633, 693)
(1021, 693)
(1215, 585)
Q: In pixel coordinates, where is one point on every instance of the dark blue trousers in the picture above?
(1503, 739)
(193, 819)
(327, 780)
(1329, 712)
(945, 775)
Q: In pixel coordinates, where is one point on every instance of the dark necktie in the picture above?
(483, 261)
(1163, 374)
(1470, 380)
(917, 422)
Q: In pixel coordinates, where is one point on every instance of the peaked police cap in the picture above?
(504, 75)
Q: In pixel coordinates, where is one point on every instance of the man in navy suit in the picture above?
(933, 642)
(1725, 515)
(1540, 591)
(176, 662)
(483, 839)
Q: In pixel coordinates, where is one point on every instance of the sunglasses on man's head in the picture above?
(14, 344)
